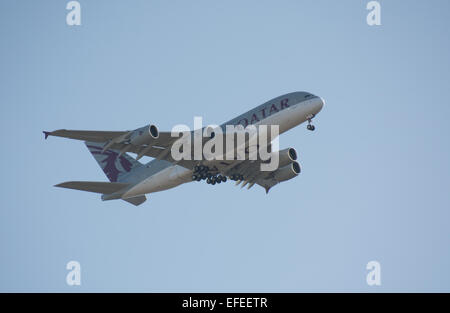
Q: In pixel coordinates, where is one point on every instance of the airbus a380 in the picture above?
(131, 180)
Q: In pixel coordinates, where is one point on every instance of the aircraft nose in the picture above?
(318, 105)
(322, 103)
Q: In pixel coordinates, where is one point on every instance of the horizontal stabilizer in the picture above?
(92, 186)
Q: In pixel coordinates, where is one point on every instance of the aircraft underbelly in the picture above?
(166, 179)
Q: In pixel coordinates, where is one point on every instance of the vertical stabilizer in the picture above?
(115, 167)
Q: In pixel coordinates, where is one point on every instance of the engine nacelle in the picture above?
(286, 156)
(144, 135)
(287, 172)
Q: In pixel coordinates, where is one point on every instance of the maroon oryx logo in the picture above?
(109, 162)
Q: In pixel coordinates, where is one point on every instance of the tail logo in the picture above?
(110, 164)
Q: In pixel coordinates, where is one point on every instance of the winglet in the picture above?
(46, 134)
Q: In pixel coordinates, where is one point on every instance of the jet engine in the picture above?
(287, 172)
(286, 156)
(144, 135)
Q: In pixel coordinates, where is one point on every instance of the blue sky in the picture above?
(375, 177)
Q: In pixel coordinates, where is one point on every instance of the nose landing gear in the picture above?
(310, 126)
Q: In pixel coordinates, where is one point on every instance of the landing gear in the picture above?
(310, 126)
(211, 175)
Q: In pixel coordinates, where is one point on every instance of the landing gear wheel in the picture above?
(310, 126)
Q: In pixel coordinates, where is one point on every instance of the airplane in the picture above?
(131, 180)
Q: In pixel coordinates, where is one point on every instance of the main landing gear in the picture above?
(212, 176)
(310, 126)
(204, 173)
(216, 179)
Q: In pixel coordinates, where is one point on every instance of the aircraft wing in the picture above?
(165, 138)
(86, 135)
(120, 140)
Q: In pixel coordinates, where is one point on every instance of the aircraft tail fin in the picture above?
(115, 167)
